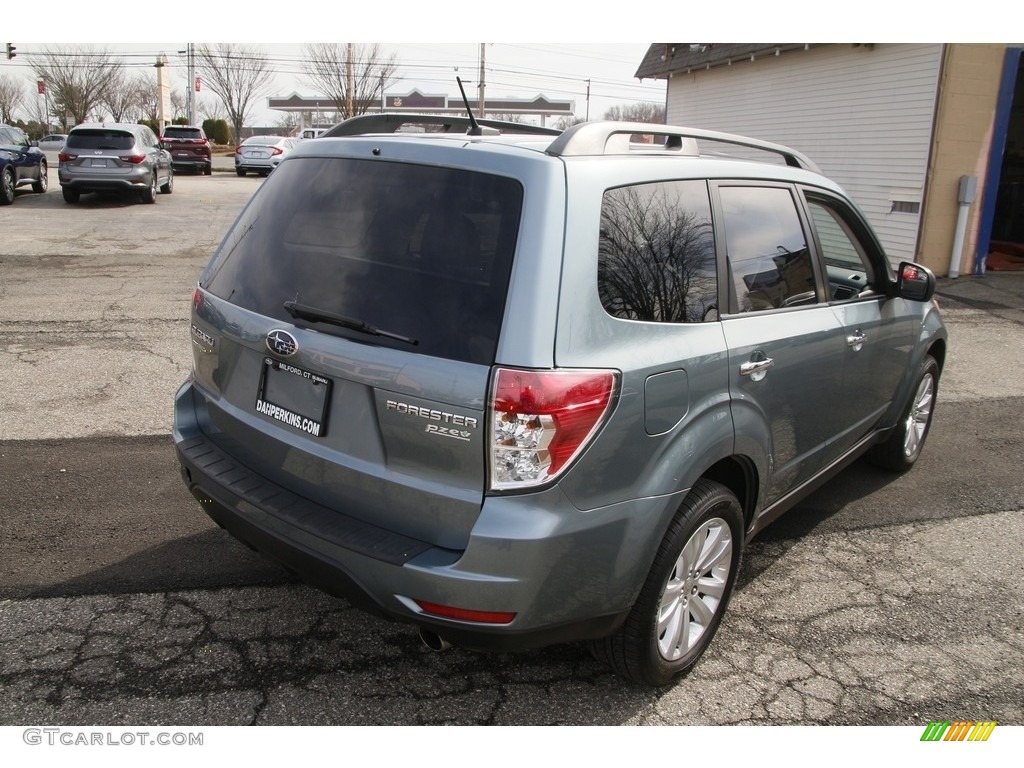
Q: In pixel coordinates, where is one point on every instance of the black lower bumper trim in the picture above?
(201, 458)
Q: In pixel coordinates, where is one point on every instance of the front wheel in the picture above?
(7, 186)
(168, 187)
(686, 591)
(903, 447)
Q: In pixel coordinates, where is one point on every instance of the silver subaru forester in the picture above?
(527, 388)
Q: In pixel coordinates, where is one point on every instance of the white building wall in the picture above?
(863, 114)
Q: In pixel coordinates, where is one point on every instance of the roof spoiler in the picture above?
(390, 122)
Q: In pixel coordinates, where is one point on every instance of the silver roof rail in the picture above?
(600, 138)
(390, 122)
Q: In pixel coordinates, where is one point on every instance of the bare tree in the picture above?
(208, 110)
(352, 76)
(639, 112)
(129, 96)
(12, 95)
(287, 124)
(179, 105)
(567, 121)
(237, 75)
(78, 78)
(508, 117)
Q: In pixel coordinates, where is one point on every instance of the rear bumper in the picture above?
(258, 165)
(191, 162)
(84, 183)
(567, 575)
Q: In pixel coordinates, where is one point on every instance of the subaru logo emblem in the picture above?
(282, 343)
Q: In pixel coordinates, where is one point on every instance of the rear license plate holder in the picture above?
(294, 396)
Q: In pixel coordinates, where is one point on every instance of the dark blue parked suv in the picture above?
(20, 164)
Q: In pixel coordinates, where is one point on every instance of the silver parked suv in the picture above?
(114, 157)
(520, 389)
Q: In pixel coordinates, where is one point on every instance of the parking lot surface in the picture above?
(878, 600)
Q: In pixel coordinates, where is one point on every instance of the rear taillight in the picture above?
(65, 157)
(133, 159)
(277, 151)
(238, 149)
(542, 420)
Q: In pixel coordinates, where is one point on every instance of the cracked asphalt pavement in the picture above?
(879, 600)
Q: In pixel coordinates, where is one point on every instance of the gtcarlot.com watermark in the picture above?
(73, 737)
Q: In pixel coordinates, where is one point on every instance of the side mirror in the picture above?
(914, 282)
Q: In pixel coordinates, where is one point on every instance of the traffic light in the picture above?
(11, 51)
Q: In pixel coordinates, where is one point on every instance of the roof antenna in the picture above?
(474, 127)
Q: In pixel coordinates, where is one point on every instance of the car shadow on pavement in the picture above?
(207, 560)
(838, 505)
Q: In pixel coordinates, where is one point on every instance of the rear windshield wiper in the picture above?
(315, 315)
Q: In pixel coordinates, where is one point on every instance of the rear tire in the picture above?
(686, 591)
(43, 182)
(148, 195)
(240, 171)
(71, 196)
(903, 447)
(208, 170)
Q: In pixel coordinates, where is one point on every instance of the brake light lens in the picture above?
(542, 420)
(133, 159)
(66, 157)
(277, 151)
(238, 149)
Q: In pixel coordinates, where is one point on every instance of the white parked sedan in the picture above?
(262, 154)
(53, 143)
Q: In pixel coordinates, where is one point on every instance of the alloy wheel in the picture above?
(695, 588)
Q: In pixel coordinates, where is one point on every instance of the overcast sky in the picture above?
(575, 40)
(559, 71)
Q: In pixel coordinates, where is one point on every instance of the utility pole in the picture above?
(348, 80)
(588, 99)
(191, 87)
(483, 56)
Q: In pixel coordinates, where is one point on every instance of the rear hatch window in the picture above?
(100, 139)
(183, 133)
(419, 254)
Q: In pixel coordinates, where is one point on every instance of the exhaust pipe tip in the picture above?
(433, 641)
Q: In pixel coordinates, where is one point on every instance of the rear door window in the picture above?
(418, 252)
